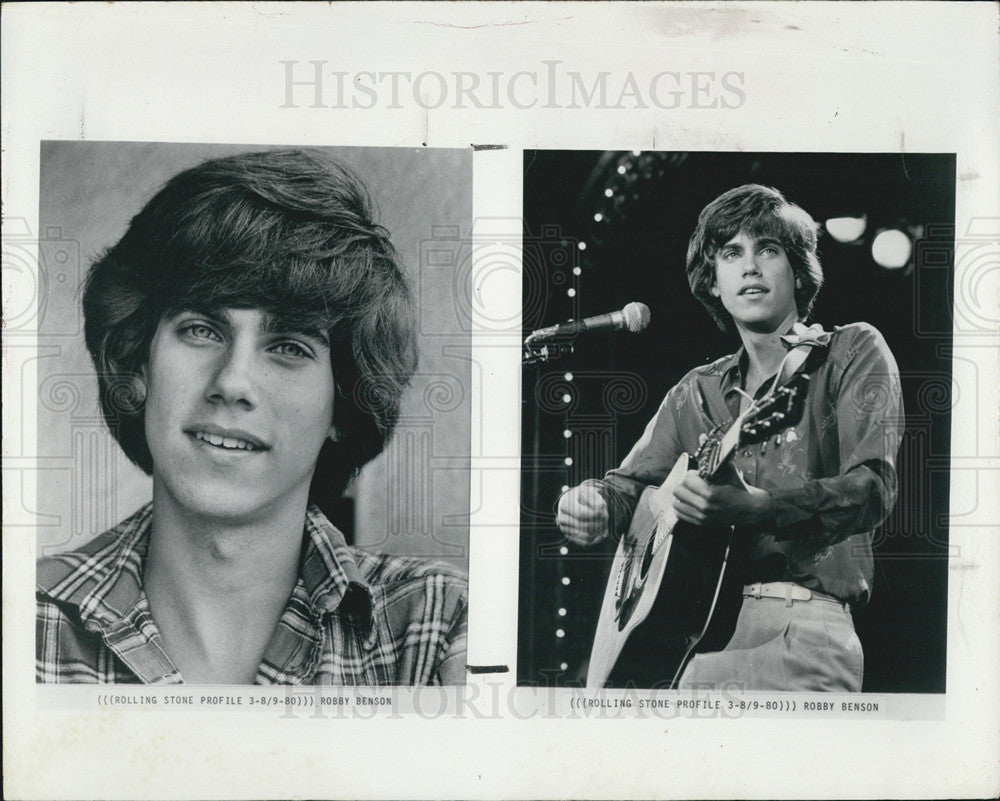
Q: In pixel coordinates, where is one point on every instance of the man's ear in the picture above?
(714, 290)
(139, 388)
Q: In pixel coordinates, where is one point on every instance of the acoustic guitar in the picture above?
(666, 597)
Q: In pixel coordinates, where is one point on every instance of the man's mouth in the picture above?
(229, 440)
(753, 290)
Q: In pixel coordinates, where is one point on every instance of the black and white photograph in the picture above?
(261, 474)
(739, 479)
(500, 400)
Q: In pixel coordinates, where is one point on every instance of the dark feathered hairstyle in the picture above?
(759, 211)
(288, 232)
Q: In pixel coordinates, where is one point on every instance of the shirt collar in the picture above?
(329, 573)
(732, 368)
(104, 578)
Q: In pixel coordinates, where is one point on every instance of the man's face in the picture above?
(237, 409)
(755, 283)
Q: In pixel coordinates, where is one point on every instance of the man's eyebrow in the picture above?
(274, 325)
(215, 315)
(768, 240)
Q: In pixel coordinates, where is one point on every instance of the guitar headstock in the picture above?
(775, 412)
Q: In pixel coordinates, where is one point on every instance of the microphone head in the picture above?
(636, 316)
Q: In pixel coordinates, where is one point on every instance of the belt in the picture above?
(788, 591)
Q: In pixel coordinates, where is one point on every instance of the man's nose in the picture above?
(750, 266)
(233, 380)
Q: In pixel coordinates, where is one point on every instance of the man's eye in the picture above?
(199, 331)
(293, 350)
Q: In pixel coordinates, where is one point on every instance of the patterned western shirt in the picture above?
(353, 618)
(832, 477)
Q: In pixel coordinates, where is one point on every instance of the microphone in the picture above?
(634, 318)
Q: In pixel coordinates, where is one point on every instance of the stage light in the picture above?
(577, 271)
(891, 249)
(565, 581)
(582, 246)
(563, 666)
(846, 229)
(566, 398)
(571, 292)
(622, 169)
(562, 612)
(598, 217)
(564, 550)
(567, 433)
(568, 377)
(609, 192)
(568, 461)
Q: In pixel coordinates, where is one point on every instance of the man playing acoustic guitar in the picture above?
(807, 498)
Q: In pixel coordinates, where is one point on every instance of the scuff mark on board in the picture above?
(489, 24)
(902, 153)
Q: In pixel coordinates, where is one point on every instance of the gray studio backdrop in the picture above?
(414, 498)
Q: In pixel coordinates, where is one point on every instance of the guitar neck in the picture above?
(729, 443)
(711, 461)
(781, 408)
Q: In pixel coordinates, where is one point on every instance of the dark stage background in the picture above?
(603, 229)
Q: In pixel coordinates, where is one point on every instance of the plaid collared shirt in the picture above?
(353, 618)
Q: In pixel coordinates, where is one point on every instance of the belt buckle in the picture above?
(755, 589)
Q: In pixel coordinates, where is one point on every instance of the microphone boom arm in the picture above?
(537, 352)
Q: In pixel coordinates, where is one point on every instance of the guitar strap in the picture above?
(715, 405)
(793, 360)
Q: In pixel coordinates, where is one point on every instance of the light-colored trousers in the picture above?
(808, 646)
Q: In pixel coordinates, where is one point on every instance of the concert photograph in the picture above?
(736, 420)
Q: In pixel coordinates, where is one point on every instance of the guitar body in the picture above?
(665, 580)
(669, 594)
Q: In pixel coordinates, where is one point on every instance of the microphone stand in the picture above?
(539, 347)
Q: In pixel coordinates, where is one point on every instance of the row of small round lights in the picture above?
(560, 632)
(630, 178)
(626, 179)
(610, 206)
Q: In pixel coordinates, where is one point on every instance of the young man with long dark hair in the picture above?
(253, 333)
(809, 497)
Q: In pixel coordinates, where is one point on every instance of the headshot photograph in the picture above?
(253, 415)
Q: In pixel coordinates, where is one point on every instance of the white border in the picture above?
(819, 77)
